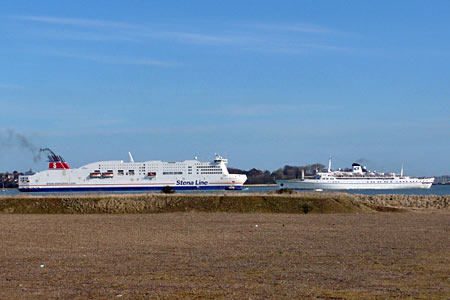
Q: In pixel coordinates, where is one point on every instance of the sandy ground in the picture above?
(219, 255)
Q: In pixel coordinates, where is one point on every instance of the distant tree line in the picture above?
(256, 176)
(9, 180)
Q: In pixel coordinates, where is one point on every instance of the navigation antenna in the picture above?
(131, 157)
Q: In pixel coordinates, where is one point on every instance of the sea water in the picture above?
(440, 190)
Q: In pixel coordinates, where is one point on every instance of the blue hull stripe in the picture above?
(132, 188)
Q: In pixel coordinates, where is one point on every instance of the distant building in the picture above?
(442, 179)
(9, 180)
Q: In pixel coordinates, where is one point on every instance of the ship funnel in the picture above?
(55, 161)
(131, 157)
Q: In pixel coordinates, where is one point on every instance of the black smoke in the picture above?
(51, 155)
(15, 139)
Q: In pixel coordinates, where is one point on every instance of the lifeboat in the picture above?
(107, 174)
(95, 175)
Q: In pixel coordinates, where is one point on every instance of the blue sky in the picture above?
(266, 83)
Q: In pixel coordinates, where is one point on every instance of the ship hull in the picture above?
(316, 184)
(125, 188)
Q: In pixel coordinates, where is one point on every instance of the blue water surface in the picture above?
(441, 190)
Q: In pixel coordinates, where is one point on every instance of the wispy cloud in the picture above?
(97, 24)
(77, 22)
(271, 38)
(115, 60)
(108, 30)
(174, 130)
(300, 48)
(266, 109)
(303, 28)
(10, 86)
(88, 36)
(189, 37)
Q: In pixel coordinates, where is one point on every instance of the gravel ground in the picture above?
(224, 255)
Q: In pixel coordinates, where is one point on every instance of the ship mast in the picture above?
(131, 157)
(329, 165)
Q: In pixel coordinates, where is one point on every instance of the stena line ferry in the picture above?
(118, 175)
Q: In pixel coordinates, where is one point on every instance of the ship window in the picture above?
(119, 172)
(130, 172)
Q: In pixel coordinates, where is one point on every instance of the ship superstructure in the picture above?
(118, 175)
(358, 178)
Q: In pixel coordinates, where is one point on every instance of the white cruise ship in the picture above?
(356, 179)
(119, 175)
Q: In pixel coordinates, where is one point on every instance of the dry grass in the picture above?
(415, 202)
(225, 256)
(158, 203)
(244, 203)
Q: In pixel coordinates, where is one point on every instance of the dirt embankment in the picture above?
(241, 203)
